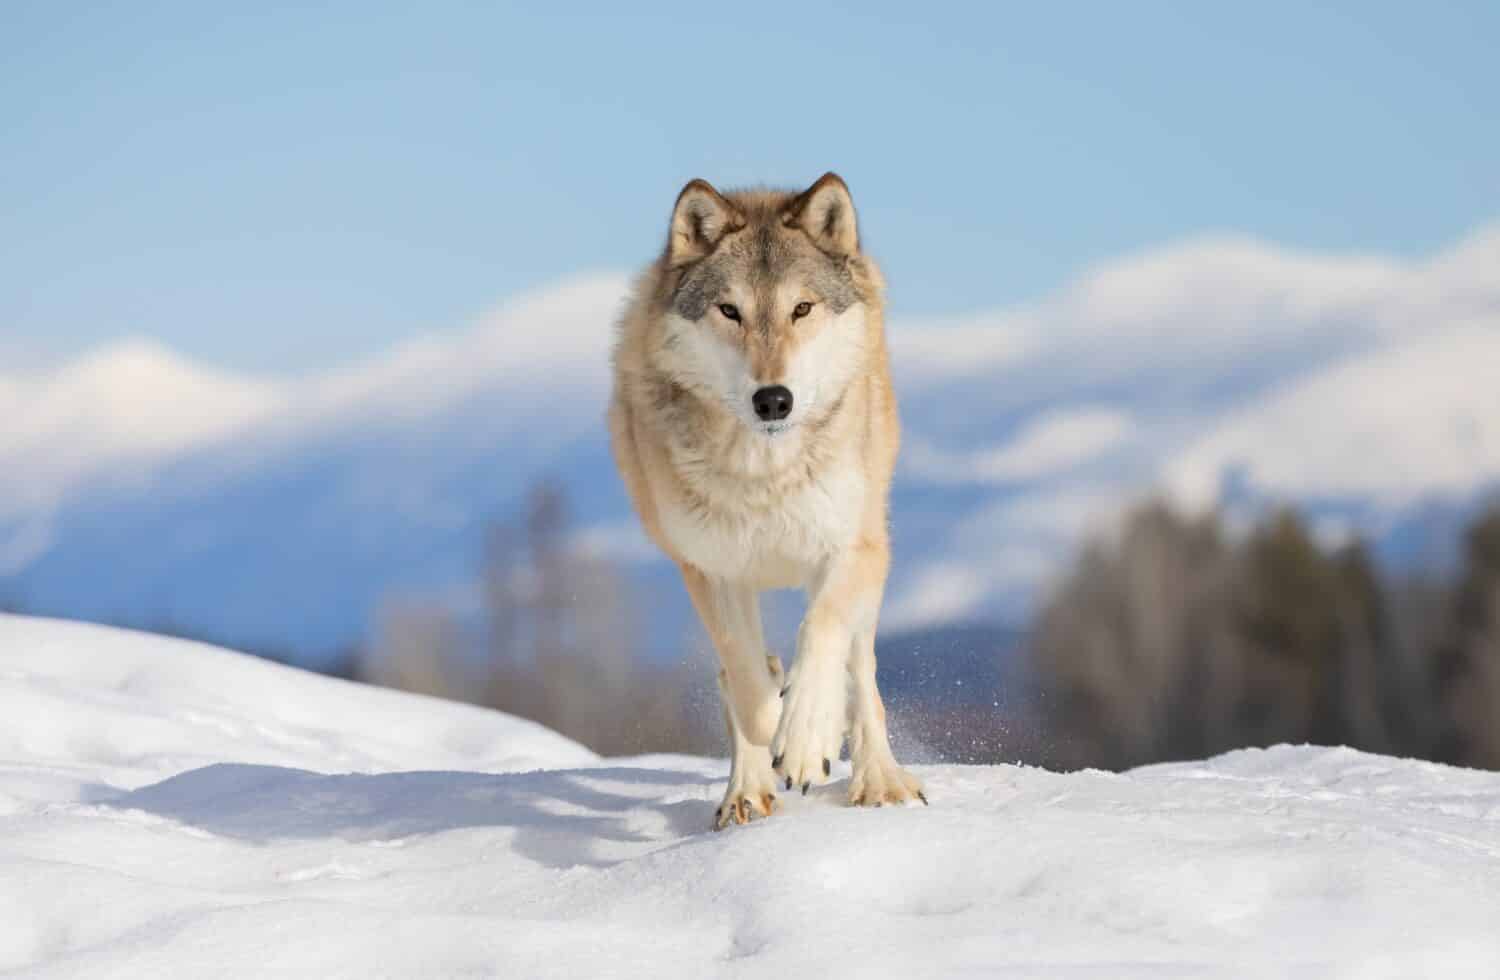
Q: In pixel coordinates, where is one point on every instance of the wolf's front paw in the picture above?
(812, 722)
(751, 794)
(879, 780)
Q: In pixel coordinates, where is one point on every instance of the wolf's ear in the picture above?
(826, 212)
(700, 218)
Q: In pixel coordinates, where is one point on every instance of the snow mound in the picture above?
(128, 709)
(167, 809)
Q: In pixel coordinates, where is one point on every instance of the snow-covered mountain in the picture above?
(136, 486)
(171, 809)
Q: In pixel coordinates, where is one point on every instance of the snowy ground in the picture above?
(167, 809)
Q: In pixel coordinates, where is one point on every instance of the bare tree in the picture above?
(563, 641)
(1413, 685)
(1467, 666)
(1175, 641)
(1133, 649)
(417, 647)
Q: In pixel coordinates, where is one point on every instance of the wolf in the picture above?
(754, 425)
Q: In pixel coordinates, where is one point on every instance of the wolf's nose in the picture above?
(772, 404)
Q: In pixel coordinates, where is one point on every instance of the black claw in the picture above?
(783, 693)
(804, 787)
(789, 782)
(776, 762)
(923, 797)
(826, 767)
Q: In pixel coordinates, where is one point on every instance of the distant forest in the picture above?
(1177, 639)
(1171, 637)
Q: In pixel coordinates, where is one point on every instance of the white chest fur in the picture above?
(769, 533)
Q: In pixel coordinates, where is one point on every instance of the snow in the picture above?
(125, 403)
(169, 809)
(136, 402)
(1392, 427)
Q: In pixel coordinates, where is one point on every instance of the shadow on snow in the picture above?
(560, 817)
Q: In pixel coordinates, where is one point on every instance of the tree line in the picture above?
(556, 639)
(1174, 638)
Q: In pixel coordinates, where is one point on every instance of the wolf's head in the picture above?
(766, 301)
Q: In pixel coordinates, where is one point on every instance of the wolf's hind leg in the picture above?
(877, 778)
(751, 792)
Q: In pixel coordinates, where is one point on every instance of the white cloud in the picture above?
(127, 401)
(1049, 514)
(129, 405)
(1050, 443)
(1197, 305)
(554, 340)
(1418, 418)
(1194, 307)
(1212, 287)
(925, 350)
(619, 541)
(940, 592)
(127, 395)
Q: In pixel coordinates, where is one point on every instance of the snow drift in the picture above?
(169, 809)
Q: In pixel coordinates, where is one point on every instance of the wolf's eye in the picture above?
(801, 310)
(730, 311)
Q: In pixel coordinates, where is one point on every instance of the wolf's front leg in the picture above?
(877, 778)
(731, 614)
(751, 792)
(814, 706)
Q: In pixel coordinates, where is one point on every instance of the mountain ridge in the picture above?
(1220, 371)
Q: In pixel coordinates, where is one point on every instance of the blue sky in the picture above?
(279, 190)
